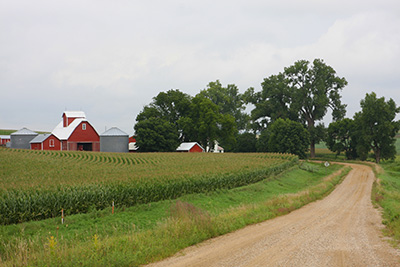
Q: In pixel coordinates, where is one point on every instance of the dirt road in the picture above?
(341, 230)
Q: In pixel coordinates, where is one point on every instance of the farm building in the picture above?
(45, 142)
(4, 139)
(74, 132)
(132, 144)
(21, 139)
(114, 140)
(190, 147)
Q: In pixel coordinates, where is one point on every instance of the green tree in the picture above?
(287, 136)
(229, 101)
(156, 135)
(303, 93)
(341, 138)
(170, 106)
(376, 127)
(205, 124)
(246, 142)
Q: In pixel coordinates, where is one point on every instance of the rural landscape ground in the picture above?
(341, 227)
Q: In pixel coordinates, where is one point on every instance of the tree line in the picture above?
(286, 117)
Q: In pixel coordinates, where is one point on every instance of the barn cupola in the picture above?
(70, 116)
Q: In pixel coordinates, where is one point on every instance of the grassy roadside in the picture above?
(150, 232)
(386, 193)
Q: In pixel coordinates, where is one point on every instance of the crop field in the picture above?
(36, 185)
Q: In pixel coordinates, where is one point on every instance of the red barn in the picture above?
(190, 147)
(76, 133)
(45, 142)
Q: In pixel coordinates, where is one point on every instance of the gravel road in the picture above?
(341, 230)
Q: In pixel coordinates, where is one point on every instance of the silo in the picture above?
(21, 139)
(114, 140)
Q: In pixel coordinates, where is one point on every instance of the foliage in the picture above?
(205, 124)
(376, 127)
(156, 135)
(286, 136)
(246, 142)
(229, 101)
(302, 93)
(341, 138)
(25, 196)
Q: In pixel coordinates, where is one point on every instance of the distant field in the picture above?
(6, 132)
(36, 184)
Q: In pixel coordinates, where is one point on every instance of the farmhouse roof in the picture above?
(40, 138)
(114, 131)
(186, 146)
(63, 133)
(75, 114)
(24, 131)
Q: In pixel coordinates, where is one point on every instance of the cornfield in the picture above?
(36, 185)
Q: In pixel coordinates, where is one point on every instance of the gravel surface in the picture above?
(341, 230)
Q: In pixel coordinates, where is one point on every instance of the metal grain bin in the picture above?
(22, 138)
(114, 140)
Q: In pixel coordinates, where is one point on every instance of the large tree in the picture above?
(229, 101)
(285, 136)
(303, 92)
(205, 124)
(341, 138)
(170, 106)
(376, 127)
(156, 135)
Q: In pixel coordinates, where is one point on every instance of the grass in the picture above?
(386, 193)
(149, 232)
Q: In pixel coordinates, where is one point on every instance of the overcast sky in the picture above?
(109, 58)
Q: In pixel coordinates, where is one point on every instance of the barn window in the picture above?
(51, 143)
(83, 126)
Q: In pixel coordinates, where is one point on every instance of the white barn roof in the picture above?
(63, 133)
(186, 146)
(75, 114)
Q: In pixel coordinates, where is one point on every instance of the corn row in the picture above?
(18, 206)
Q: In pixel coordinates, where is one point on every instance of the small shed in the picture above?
(4, 139)
(22, 138)
(45, 142)
(114, 140)
(190, 147)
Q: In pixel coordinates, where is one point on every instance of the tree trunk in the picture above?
(310, 124)
(312, 149)
(377, 155)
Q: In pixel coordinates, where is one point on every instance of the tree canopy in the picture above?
(303, 92)
(376, 127)
(285, 136)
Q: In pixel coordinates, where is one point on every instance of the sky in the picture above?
(109, 58)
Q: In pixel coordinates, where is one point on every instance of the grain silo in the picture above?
(22, 138)
(114, 140)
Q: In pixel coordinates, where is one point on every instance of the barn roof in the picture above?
(24, 131)
(186, 146)
(5, 137)
(114, 131)
(75, 114)
(40, 138)
(63, 133)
